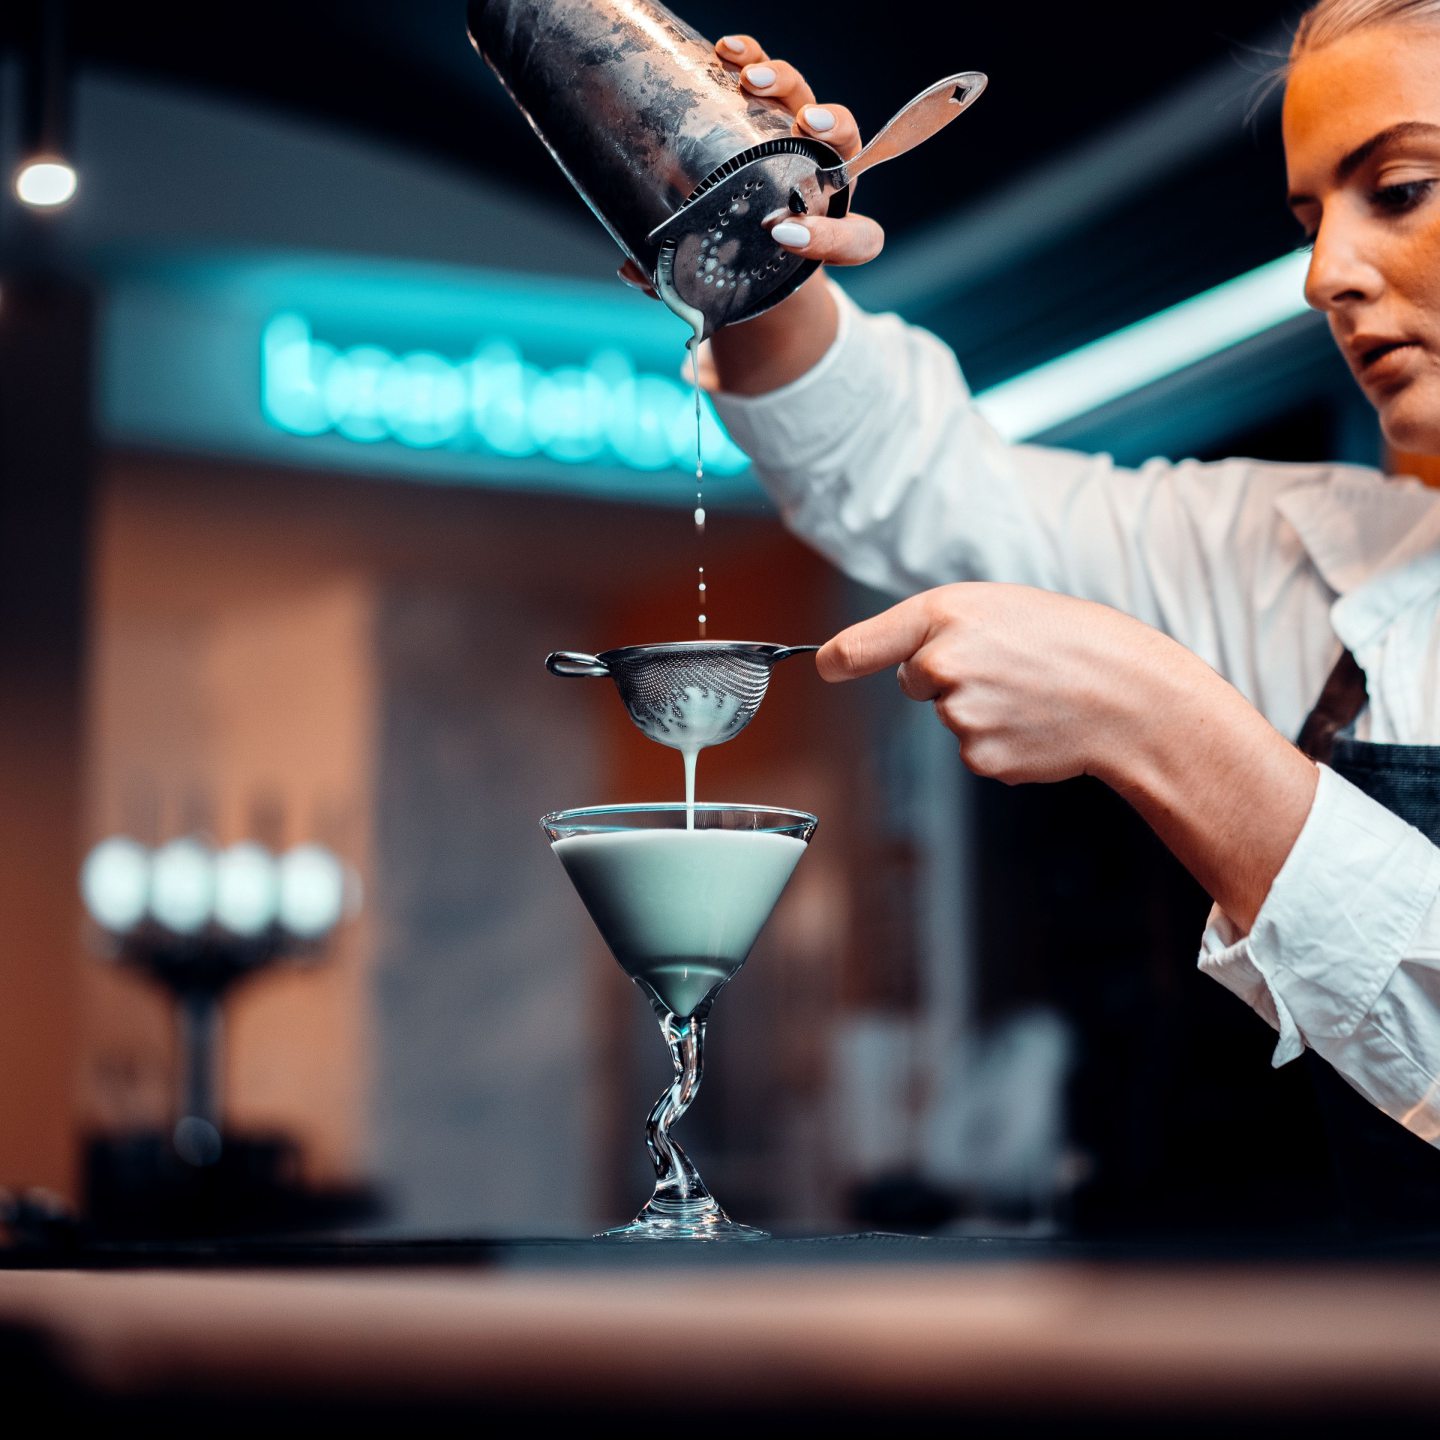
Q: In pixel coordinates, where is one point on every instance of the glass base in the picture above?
(683, 1220)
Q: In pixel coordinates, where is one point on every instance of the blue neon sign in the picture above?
(602, 412)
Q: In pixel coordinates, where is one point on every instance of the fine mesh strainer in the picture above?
(689, 693)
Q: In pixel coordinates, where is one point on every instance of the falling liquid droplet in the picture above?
(700, 517)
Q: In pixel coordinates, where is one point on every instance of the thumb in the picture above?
(876, 644)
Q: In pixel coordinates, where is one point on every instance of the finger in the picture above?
(834, 124)
(884, 640)
(740, 49)
(851, 241)
(777, 80)
(915, 681)
(633, 276)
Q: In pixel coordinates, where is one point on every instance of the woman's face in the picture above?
(1362, 146)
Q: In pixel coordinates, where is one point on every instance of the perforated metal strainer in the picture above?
(689, 693)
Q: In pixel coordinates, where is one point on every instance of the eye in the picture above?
(1397, 199)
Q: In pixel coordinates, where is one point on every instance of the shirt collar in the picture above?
(1376, 542)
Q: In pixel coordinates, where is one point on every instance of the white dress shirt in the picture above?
(879, 458)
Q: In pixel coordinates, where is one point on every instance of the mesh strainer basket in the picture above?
(688, 693)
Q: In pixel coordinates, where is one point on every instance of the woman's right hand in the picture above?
(849, 241)
(776, 347)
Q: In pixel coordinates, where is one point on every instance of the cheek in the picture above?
(1419, 281)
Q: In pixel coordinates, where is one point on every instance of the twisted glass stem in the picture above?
(676, 1179)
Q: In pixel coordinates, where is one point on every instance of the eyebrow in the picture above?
(1349, 164)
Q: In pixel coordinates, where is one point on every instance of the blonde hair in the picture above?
(1332, 19)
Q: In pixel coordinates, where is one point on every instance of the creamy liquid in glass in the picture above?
(679, 909)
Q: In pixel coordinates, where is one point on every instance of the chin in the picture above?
(1410, 421)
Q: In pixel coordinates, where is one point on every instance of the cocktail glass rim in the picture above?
(796, 819)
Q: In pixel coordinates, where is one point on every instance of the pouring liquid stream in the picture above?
(705, 717)
(701, 590)
(695, 319)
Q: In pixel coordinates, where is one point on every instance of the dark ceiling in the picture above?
(1167, 218)
(404, 70)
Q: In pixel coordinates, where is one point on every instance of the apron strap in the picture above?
(1342, 699)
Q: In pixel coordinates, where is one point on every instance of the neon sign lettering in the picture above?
(601, 412)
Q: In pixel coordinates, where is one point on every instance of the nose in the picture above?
(1341, 271)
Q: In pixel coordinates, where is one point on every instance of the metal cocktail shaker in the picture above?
(677, 161)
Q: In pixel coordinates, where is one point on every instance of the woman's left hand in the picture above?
(1037, 686)
(1042, 687)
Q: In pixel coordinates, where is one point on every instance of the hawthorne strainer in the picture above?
(689, 693)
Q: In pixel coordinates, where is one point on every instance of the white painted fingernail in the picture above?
(817, 117)
(734, 46)
(790, 232)
(759, 77)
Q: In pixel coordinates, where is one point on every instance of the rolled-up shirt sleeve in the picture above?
(880, 457)
(1344, 956)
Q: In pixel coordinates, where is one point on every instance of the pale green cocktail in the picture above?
(680, 908)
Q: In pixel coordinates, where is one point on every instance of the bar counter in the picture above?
(1040, 1334)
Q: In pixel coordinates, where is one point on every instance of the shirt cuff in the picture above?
(773, 428)
(1336, 923)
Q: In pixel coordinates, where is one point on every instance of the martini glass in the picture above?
(679, 894)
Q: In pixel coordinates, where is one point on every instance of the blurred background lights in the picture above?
(312, 891)
(115, 883)
(45, 182)
(182, 886)
(246, 889)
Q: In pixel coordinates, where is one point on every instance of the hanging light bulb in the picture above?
(45, 178)
(45, 181)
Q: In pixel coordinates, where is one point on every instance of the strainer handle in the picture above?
(790, 650)
(571, 663)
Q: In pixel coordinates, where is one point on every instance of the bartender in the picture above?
(1175, 630)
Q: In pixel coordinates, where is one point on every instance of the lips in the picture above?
(1379, 351)
(1367, 352)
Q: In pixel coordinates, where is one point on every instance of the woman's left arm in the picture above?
(1040, 687)
(1328, 919)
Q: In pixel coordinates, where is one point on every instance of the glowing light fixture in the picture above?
(115, 883)
(1147, 351)
(45, 181)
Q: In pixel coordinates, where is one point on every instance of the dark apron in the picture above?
(1388, 1179)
